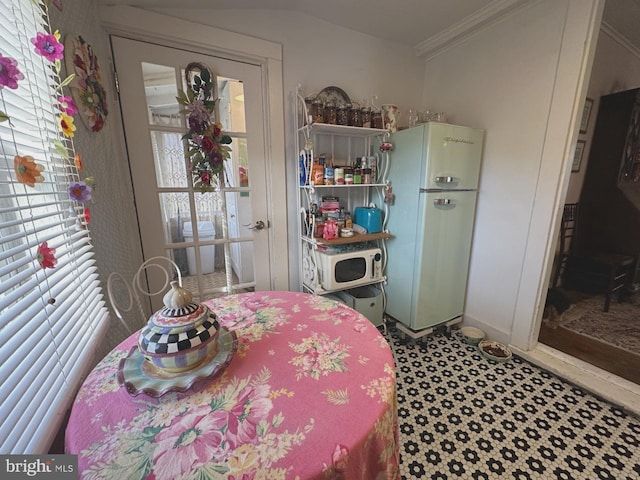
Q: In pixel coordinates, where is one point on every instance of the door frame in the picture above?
(144, 25)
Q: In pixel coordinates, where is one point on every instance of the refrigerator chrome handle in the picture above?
(445, 179)
(442, 201)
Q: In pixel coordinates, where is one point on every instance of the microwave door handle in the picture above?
(375, 259)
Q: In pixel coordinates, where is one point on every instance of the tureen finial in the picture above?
(177, 297)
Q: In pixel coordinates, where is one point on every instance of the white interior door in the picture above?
(218, 238)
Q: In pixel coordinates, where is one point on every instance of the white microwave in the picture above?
(349, 269)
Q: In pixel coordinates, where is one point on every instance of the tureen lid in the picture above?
(180, 313)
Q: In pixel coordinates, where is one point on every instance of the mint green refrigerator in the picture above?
(434, 171)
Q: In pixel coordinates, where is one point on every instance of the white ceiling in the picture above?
(412, 22)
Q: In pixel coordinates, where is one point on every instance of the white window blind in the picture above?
(49, 318)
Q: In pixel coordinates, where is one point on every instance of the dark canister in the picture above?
(330, 113)
(355, 115)
(342, 114)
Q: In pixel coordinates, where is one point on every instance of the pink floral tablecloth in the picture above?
(310, 393)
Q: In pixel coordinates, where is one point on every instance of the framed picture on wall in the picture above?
(586, 113)
(577, 157)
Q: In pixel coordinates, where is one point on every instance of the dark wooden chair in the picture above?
(567, 228)
(590, 272)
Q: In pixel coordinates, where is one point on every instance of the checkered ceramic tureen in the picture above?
(182, 335)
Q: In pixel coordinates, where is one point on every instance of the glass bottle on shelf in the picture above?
(348, 221)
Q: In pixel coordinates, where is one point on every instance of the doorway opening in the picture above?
(593, 305)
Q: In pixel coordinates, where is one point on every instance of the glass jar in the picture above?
(376, 119)
(342, 114)
(317, 109)
(308, 103)
(355, 116)
(348, 176)
(366, 175)
(366, 117)
(357, 176)
(330, 113)
(319, 228)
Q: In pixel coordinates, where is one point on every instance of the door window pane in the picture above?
(179, 256)
(237, 167)
(231, 105)
(168, 156)
(160, 91)
(207, 255)
(175, 212)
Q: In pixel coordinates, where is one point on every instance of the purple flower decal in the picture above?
(195, 126)
(215, 158)
(48, 45)
(198, 111)
(9, 73)
(79, 191)
(67, 105)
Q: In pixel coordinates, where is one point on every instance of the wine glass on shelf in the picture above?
(412, 117)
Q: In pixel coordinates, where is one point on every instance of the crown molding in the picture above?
(621, 39)
(468, 26)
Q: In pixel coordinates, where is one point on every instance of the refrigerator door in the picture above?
(442, 257)
(428, 255)
(406, 168)
(454, 155)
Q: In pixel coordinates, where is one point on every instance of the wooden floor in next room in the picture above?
(609, 340)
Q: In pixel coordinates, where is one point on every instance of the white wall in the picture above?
(317, 54)
(113, 227)
(508, 79)
(616, 68)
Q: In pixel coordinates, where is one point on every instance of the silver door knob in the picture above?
(259, 225)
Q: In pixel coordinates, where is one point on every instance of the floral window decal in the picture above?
(46, 256)
(10, 74)
(27, 170)
(48, 45)
(80, 191)
(87, 89)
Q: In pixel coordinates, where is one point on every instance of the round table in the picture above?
(309, 393)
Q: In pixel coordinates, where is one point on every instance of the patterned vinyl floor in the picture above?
(464, 417)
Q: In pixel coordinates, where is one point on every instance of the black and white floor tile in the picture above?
(467, 418)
